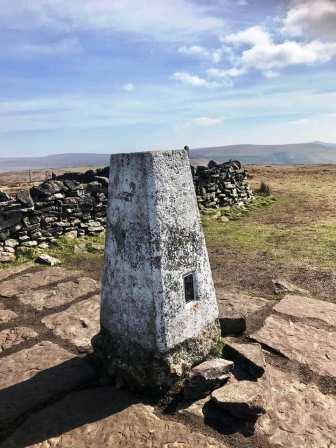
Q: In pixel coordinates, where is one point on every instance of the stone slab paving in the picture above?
(14, 336)
(32, 376)
(300, 416)
(249, 356)
(237, 310)
(313, 347)
(59, 294)
(303, 329)
(5, 273)
(306, 307)
(35, 279)
(78, 323)
(104, 417)
(233, 302)
(6, 315)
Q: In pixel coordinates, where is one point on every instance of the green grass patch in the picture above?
(79, 253)
(298, 244)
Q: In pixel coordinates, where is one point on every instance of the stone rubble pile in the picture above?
(221, 185)
(73, 204)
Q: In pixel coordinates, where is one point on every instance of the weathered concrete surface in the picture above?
(299, 414)
(78, 323)
(243, 399)
(34, 280)
(31, 377)
(313, 347)
(155, 238)
(59, 294)
(306, 307)
(106, 418)
(14, 336)
(6, 315)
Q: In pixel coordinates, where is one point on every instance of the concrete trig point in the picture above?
(159, 311)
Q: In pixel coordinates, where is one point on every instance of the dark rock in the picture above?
(4, 197)
(235, 324)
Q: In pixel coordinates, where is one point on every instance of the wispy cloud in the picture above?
(214, 56)
(207, 121)
(197, 81)
(56, 48)
(129, 87)
(163, 20)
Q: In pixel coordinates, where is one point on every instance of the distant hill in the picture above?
(300, 153)
(53, 161)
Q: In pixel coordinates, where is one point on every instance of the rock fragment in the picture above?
(207, 376)
(243, 399)
(47, 260)
(282, 286)
(249, 357)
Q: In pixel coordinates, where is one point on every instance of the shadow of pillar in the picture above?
(30, 412)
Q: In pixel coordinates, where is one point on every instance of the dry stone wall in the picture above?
(74, 204)
(221, 185)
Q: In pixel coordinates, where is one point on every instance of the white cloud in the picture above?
(233, 72)
(242, 3)
(264, 54)
(129, 87)
(163, 20)
(214, 56)
(255, 35)
(207, 122)
(197, 81)
(276, 56)
(311, 17)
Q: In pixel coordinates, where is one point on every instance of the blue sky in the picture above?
(128, 75)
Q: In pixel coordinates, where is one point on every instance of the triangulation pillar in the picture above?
(159, 311)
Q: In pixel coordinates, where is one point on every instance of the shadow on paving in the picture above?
(224, 423)
(29, 410)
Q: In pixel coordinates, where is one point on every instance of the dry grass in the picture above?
(295, 237)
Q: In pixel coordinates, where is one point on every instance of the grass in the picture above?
(85, 253)
(299, 228)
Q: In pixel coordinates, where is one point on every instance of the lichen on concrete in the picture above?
(154, 239)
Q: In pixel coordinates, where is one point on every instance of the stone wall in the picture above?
(75, 204)
(221, 185)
